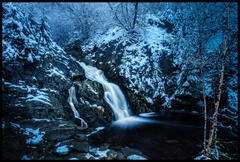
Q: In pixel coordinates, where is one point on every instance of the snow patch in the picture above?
(25, 157)
(202, 157)
(97, 129)
(62, 149)
(100, 154)
(149, 100)
(37, 135)
(73, 158)
(136, 157)
(55, 71)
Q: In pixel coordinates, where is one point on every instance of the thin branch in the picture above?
(124, 18)
(115, 14)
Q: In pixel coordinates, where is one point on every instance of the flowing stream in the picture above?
(73, 100)
(112, 93)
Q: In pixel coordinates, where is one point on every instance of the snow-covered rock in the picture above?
(136, 157)
(36, 72)
(62, 150)
(141, 62)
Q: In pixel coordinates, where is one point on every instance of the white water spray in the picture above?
(71, 100)
(112, 93)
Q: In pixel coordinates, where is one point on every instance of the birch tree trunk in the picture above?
(214, 122)
(205, 111)
(203, 88)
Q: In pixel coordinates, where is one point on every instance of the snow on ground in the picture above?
(73, 158)
(149, 100)
(110, 35)
(36, 119)
(35, 135)
(98, 154)
(136, 157)
(91, 89)
(62, 149)
(140, 66)
(88, 156)
(97, 129)
(202, 157)
(93, 105)
(25, 157)
(39, 95)
(56, 72)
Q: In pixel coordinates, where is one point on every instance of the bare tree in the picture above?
(214, 122)
(125, 14)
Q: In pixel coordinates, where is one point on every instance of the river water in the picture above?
(160, 136)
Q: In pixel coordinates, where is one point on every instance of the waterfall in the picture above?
(71, 100)
(112, 93)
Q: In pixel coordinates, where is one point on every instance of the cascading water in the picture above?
(112, 93)
(71, 100)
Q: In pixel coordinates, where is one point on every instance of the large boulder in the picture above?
(59, 134)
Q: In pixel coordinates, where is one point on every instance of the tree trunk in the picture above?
(204, 97)
(203, 88)
(135, 15)
(205, 111)
(214, 122)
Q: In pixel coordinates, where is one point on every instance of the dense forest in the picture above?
(124, 81)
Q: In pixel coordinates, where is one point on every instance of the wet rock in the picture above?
(80, 122)
(103, 147)
(127, 151)
(78, 78)
(117, 147)
(82, 147)
(80, 137)
(59, 134)
(138, 103)
(74, 48)
(81, 156)
(130, 150)
(120, 156)
(82, 129)
(111, 155)
(90, 95)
